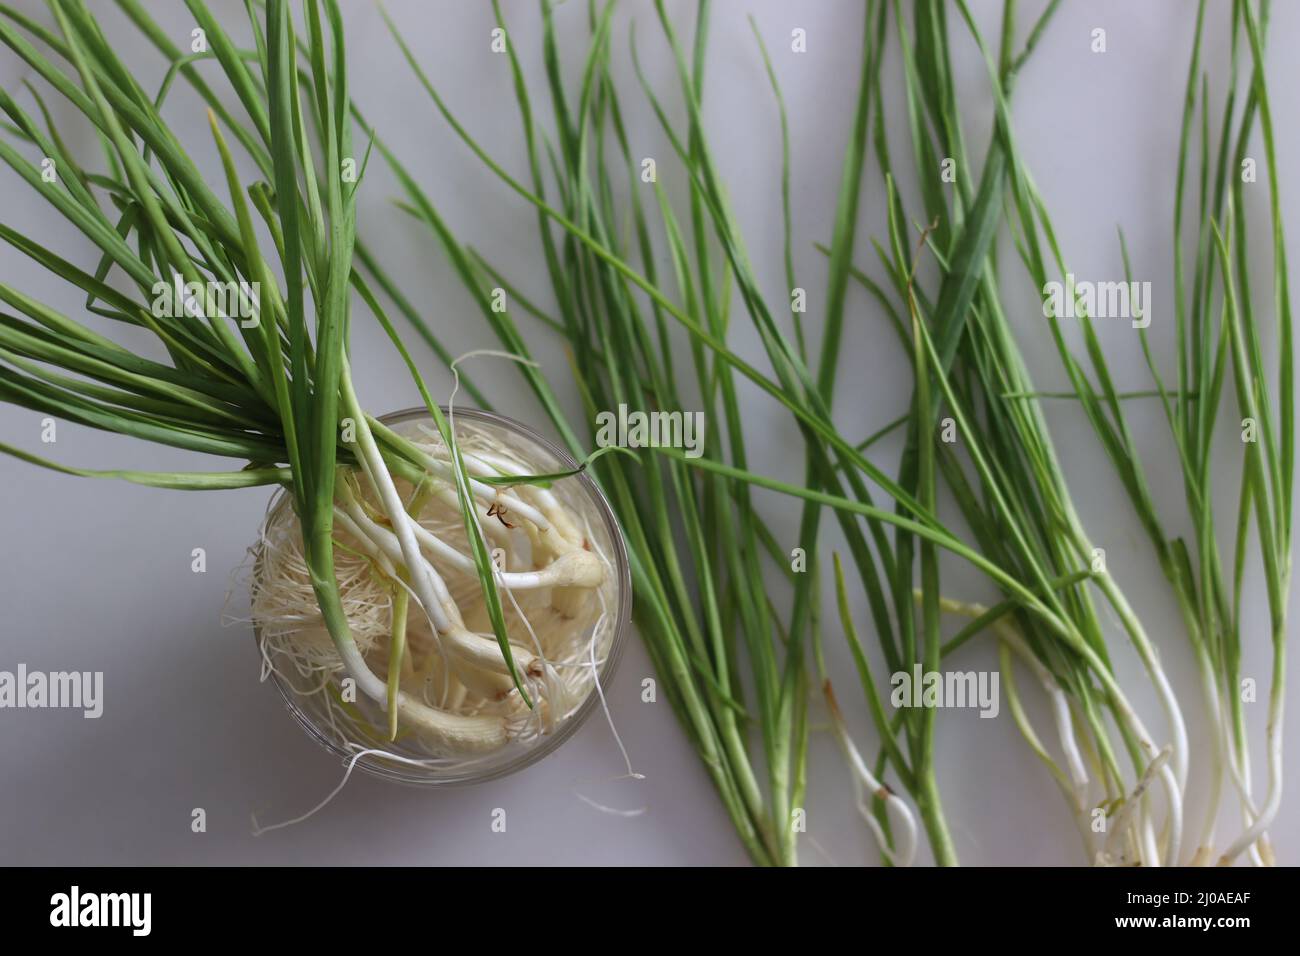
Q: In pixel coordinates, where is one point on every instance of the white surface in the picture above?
(96, 575)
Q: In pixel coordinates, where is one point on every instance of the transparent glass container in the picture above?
(580, 492)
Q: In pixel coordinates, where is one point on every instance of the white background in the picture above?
(96, 575)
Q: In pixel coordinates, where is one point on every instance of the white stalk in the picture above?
(1215, 713)
(381, 542)
(1174, 781)
(1060, 708)
(1130, 815)
(464, 734)
(1057, 697)
(1150, 659)
(1168, 778)
(1273, 796)
(373, 463)
(573, 569)
(450, 631)
(1158, 759)
(1076, 795)
(458, 641)
(489, 463)
(469, 734)
(481, 489)
(1074, 789)
(864, 783)
(490, 525)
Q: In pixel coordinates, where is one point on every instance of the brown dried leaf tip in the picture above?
(498, 511)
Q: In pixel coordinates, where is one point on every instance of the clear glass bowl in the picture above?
(308, 708)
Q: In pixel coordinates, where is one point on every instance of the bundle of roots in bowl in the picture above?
(426, 631)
